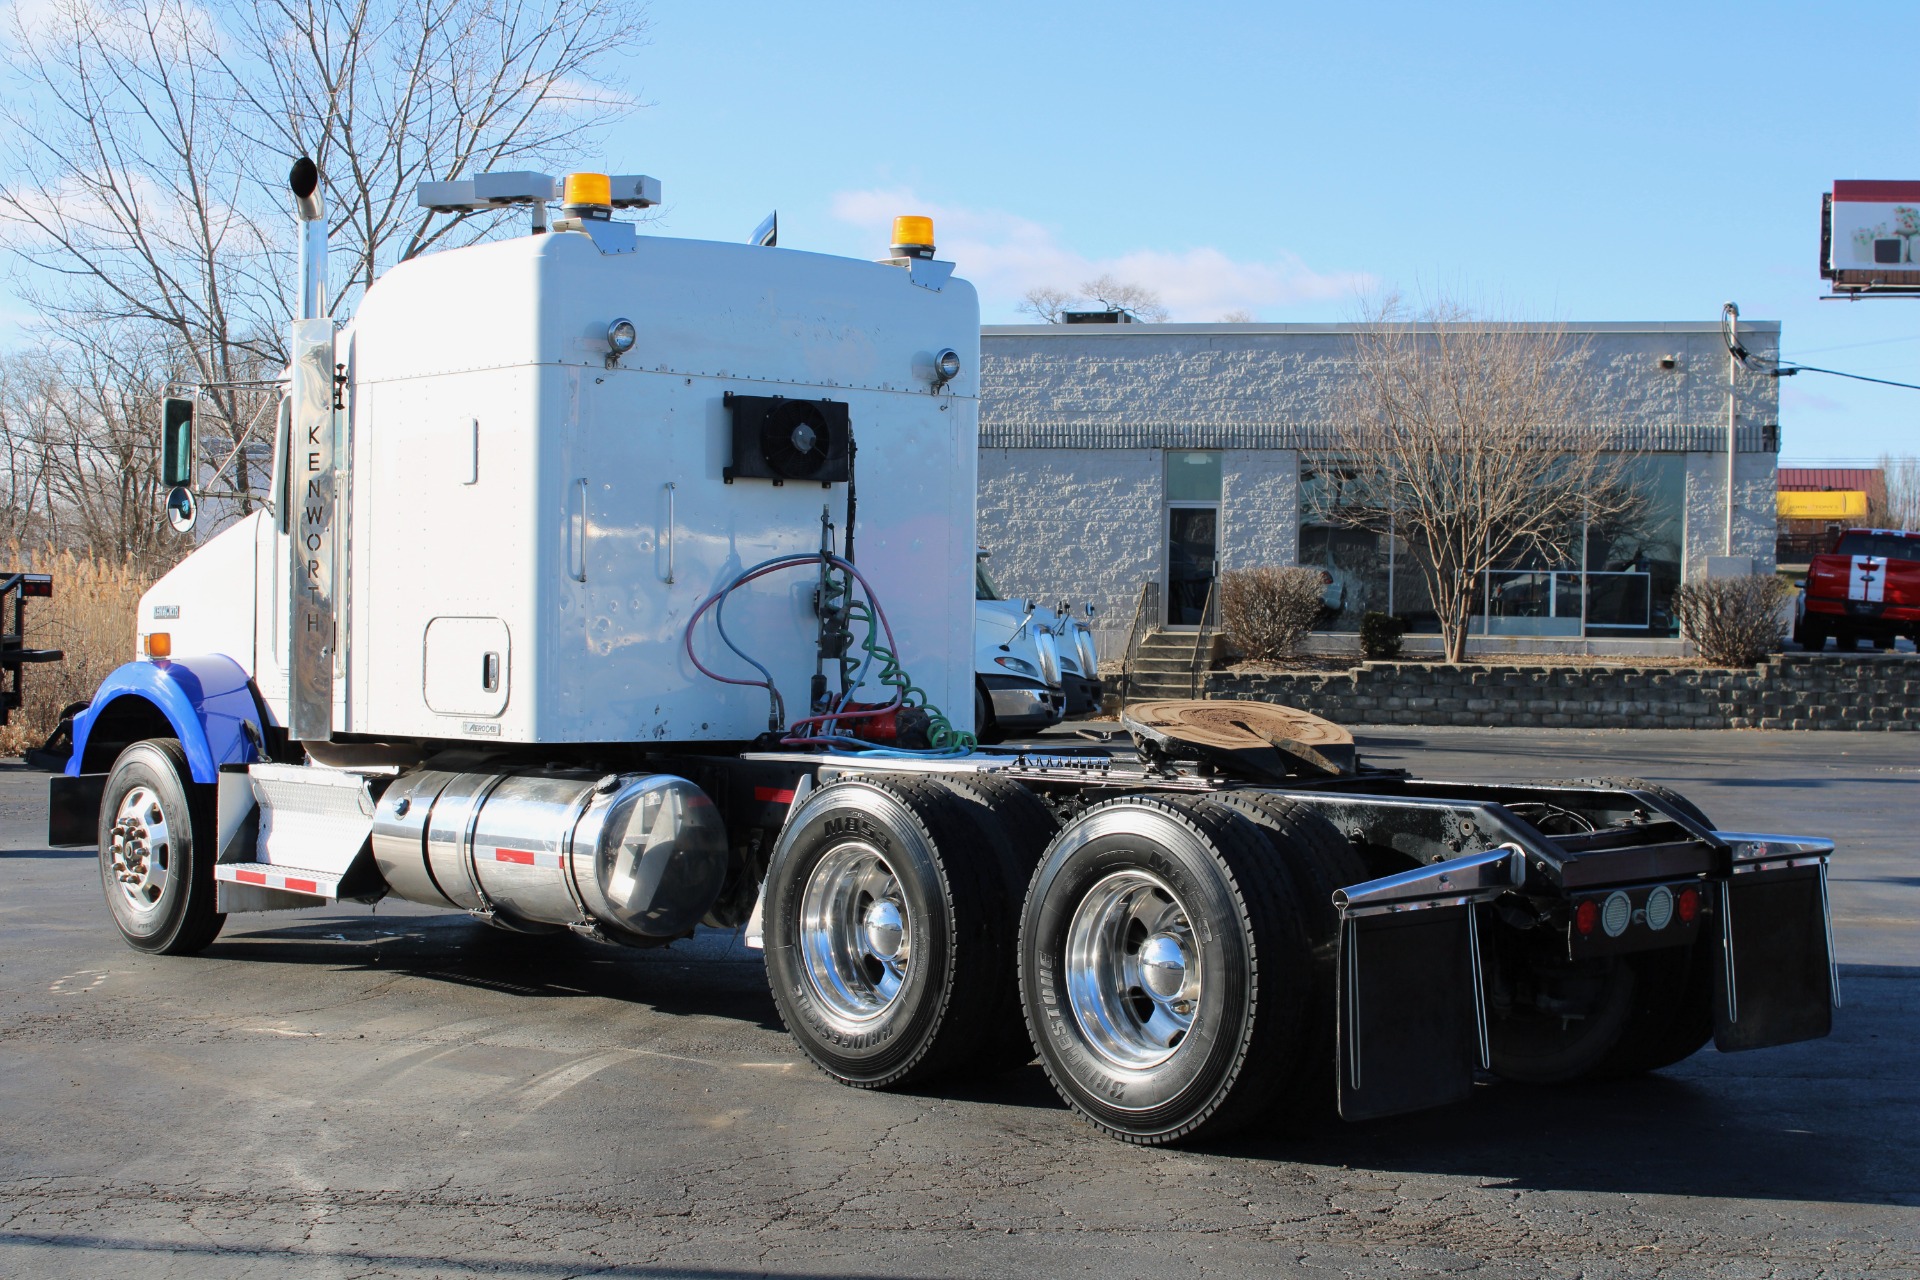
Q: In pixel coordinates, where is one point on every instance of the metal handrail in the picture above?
(1147, 606)
(1200, 638)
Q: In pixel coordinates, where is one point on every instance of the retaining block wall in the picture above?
(1789, 691)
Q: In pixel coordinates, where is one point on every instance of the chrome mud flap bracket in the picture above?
(1412, 1008)
(1777, 981)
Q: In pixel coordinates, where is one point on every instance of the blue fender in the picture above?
(206, 698)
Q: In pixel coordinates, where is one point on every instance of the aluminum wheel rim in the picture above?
(856, 936)
(1132, 972)
(140, 851)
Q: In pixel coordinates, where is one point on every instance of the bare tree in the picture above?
(1473, 442)
(84, 454)
(147, 144)
(1120, 295)
(23, 449)
(1045, 304)
(1239, 315)
(1901, 510)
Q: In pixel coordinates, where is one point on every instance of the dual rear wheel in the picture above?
(1158, 954)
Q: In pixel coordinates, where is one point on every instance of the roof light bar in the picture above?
(499, 190)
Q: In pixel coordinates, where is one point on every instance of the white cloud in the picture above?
(1005, 255)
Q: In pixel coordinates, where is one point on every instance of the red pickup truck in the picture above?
(1866, 588)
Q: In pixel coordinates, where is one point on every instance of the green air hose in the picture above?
(941, 735)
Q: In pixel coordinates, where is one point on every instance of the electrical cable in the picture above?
(1730, 334)
(943, 738)
(1788, 370)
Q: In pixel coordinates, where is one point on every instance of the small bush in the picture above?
(1734, 622)
(1267, 611)
(1380, 635)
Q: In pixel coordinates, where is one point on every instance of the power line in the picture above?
(1855, 346)
(1788, 370)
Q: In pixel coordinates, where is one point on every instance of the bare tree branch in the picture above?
(1474, 442)
(147, 143)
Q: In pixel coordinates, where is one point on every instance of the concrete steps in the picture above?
(1163, 665)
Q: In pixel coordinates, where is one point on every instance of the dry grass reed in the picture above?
(90, 617)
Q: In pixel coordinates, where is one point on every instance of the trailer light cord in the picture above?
(942, 737)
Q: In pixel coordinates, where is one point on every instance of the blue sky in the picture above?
(1616, 162)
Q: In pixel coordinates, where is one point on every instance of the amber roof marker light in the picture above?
(587, 195)
(912, 236)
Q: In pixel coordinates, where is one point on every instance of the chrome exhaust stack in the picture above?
(310, 207)
(318, 471)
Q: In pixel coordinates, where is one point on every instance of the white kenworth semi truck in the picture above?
(615, 585)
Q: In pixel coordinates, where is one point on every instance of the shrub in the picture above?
(90, 618)
(1267, 611)
(1732, 621)
(1380, 635)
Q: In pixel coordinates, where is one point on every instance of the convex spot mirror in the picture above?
(176, 443)
(182, 511)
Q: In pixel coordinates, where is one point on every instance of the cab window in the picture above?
(1890, 545)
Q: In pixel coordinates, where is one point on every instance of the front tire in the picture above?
(986, 729)
(156, 851)
(1164, 969)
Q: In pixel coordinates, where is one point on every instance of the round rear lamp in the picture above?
(1659, 907)
(1689, 905)
(621, 336)
(1616, 914)
(1585, 916)
(946, 366)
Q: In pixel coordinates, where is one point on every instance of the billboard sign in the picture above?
(1870, 236)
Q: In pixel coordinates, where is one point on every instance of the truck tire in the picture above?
(1320, 860)
(156, 851)
(1810, 635)
(885, 953)
(1577, 1011)
(1163, 967)
(1019, 826)
(1668, 794)
(984, 728)
(1672, 1017)
(1643, 1011)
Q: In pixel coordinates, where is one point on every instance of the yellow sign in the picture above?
(1830, 504)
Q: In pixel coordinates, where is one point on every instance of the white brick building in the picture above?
(1114, 454)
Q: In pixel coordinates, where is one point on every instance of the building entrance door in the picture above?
(1193, 546)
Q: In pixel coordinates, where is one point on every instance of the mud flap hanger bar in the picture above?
(1412, 1003)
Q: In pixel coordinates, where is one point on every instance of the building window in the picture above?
(1619, 580)
(1357, 563)
(1193, 477)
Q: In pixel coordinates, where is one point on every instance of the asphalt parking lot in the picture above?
(396, 1092)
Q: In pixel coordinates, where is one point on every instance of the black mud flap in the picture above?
(1776, 982)
(1411, 1013)
(73, 809)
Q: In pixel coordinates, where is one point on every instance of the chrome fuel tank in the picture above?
(643, 855)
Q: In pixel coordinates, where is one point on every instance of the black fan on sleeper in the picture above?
(794, 439)
(781, 439)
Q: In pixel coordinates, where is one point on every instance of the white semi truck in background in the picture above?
(615, 584)
(1033, 666)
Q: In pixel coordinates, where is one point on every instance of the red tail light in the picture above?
(1586, 916)
(36, 584)
(1689, 905)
